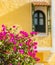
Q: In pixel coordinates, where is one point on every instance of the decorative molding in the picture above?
(44, 49)
(53, 25)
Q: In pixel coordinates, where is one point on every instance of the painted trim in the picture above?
(53, 25)
(44, 49)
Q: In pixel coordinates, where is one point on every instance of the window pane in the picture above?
(41, 22)
(40, 15)
(35, 15)
(35, 21)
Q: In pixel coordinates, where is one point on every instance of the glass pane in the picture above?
(35, 21)
(40, 15)
(41, 22)
(35, 15)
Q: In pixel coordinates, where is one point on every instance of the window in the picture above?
(39, 21)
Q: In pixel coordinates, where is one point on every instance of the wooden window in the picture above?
(39, 21)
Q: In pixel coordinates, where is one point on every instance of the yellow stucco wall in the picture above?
(20, 16)
(43, 55)
(44, 41)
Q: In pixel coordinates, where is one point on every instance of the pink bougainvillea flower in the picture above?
(34, 47)
(14, 26)
(21, 51)
(20, 37)
(33, 33)
(37, 59)
(3, 28)
(24, 33)
(10, 64)
(12, 40)
(17, 37)
(3, 25)
(11, 34)
(2, 35)
(18, 63)
(35, 43)
(33, 54)
(28, 42)
(29, 53)
(14, 48)
(20, 44)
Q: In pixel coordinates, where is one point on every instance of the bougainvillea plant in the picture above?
(17, 48)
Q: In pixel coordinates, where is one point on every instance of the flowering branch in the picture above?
(17, 48)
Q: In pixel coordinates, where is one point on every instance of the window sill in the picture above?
(42, 34)
(44, 49)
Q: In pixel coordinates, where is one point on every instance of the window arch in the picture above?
(39, 21)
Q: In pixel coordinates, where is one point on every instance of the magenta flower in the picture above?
(20, 37)
(21, 51)
(11, 34)
(12, 40)
(14, 48)
(24, 33)
(3, 28)
(28, 42)
(3, 25)
(33, 54)
(14, 26)
(35, 51)
(3, 35)
(33, 33)
(35, 43)
(20, 44)
(29, 53)
(37, 59)
(16, 37)
(10, 64)
(34, 47)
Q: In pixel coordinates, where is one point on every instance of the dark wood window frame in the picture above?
(39, 21)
